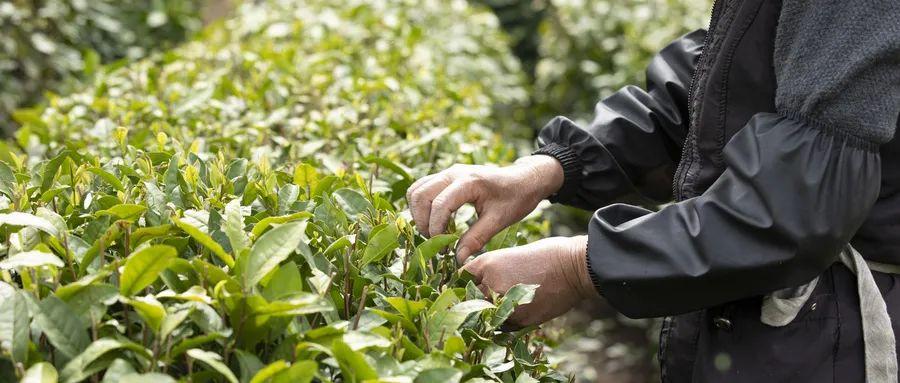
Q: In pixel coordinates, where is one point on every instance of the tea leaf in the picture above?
(517, 295)
(205, 240)
(143, 267)
(353, 364)
(107, 177)
(150, 310)
(381, 244)
(299, 372)
(214, 361)
(271, 249)
(353, 203)
(234, 227)
(62, 326)
(42, 372)
(33, 258)
(439, 375)
(77, 368)
(264, 223)
(124, 211)
(14, 320)
(306, 177)
(27, 220)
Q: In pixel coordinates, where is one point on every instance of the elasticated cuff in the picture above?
(572, 168)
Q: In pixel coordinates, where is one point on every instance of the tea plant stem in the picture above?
(425, 333)
(125, 315)
(347, 285)
(372, 176)
(34, 283)
(127, 241)
(467, 355)
(360, 308)
(74, 188)
(52, 355)
(65, 243)
(432, 161)
(144, 336)
(155, 358)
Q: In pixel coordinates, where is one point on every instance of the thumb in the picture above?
(477, 236)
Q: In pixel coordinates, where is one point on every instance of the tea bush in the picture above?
(232, 210)
(44, 43)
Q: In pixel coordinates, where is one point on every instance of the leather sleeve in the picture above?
(792, 196)
(634, 142)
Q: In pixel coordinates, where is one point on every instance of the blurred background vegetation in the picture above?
(48, 43)
(573, 53)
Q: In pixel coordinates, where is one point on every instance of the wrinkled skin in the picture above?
(503, 196)
(557, 264)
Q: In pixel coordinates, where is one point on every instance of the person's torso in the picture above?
(734, 80)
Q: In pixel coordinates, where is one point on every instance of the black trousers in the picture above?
(730, 344)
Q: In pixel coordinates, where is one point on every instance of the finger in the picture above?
(411, 201)
(420, 200)
(476, 268)
(455, 169)
(486, 291)
(477, 236)
(447, 202)
(415, 185)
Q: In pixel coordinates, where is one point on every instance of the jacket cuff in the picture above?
(572, 168)
(595, 278)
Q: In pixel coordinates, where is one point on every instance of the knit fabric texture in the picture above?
(837, 64)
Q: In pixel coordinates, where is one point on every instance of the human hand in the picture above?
(556, 264)
(501, 195)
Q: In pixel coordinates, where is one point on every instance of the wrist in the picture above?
(584, 285)
(545, 171)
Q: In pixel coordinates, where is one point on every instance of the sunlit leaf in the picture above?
(214, 361)
(40, 373)
(353, 363)
(271, 249)
(143, 267)
(124, 211)
(14, 321)
(151, 311)
(27, 220)
(33, 258)
(517, 295)
(264, 224)
(381, 244)
(234, 227)
(205, 240)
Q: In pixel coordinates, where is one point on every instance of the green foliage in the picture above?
(46, 42)
(233, 210)
(590, 49)
(576, 52)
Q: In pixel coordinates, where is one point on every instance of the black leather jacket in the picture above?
(765, 196)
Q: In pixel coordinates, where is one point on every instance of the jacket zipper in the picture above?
(685, 164)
